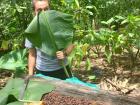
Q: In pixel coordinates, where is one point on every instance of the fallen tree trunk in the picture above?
(100, 97)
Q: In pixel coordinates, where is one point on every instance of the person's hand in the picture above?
(41, 5)
(28, 76)
(60, 55)
(30, 72)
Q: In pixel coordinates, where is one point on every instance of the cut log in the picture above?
(35, 103)
(98, 96)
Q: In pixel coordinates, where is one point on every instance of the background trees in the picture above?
(103, 28)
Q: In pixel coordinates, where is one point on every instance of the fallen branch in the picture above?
(114, 85)
(128, 91)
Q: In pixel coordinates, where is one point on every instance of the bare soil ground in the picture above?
(120, 77)
(4, 76)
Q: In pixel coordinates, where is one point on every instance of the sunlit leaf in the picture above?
(51, 31)
(5, 44)
(137, 44)
(15, 60)
(92, 77)
(34, 91)
(124, 22)
(88, 64)
(77, 3)
(3, 99)
(16, 103)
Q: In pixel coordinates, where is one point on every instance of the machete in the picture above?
(23, 89)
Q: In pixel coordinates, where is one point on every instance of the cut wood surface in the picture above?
(100, 96)
(35, 103)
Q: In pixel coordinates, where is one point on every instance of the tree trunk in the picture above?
(98, 96)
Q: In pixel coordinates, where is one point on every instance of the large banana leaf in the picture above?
(16, 103)
(34, 91)
(14, 60)
(50, 31)
(12, 88)
(3, 99)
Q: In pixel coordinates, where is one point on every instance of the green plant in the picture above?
(110, 40)
(51, 31)
(80, 53)
(34, 91)
(15, 61)
(132, 37)
(15, 16)
(120, 34)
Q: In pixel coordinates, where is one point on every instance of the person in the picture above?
(42, 63)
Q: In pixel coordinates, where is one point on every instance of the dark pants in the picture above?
(56, 74)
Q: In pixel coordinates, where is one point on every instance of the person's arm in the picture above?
(69, 49)
(66, 52)
(31, 61)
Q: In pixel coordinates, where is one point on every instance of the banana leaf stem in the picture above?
(65, 69)
(54, 43)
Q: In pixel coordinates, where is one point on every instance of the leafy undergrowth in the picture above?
(4, 76)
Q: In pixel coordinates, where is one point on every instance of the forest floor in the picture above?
(121, 77)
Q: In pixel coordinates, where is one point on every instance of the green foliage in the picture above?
(88, 64)
(106, 17)
(92, 77)
(80, 53)
(14, 18)
(132, 30)
(10, 93)
(111, 8)
(51, 31)
(3, 99)
(15, 61)
(38, 89)
(16, 103)
(112, 24)
(120, 35)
